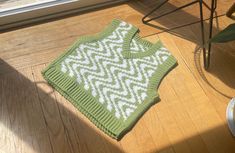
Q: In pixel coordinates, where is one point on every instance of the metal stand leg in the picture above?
(206, 55)
(202, 33)
(160, 5)
(213, 8)
(186, 5)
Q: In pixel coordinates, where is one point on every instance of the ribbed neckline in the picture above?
(152, 48)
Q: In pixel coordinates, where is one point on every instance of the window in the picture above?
(19, 12)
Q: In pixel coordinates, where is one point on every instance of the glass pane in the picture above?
(14, 4)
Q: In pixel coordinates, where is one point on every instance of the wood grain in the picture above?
(20, 48)
(189, 118)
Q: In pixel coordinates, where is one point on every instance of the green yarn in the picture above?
(111, 77)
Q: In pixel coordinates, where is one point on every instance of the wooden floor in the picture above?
(190, 118)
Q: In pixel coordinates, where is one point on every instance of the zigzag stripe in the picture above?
(97, 63)
(137, 47)
(124, 66)
(108, 56)
(120, 84)
(105, 82)
(134, 46)
(95, 73)
(118, 34)
(122, 95)
(97, 78)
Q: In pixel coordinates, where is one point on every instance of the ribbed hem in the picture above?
(85, 102)
(94, 111)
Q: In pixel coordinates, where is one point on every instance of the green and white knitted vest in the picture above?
(111, 77)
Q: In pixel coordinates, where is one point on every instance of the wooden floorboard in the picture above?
(190, 117)
(21, 48)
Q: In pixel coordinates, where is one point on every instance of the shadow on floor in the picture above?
(46, 125)
(41, 118)
(208, 141)
(36, 120)
(222, 66)
(222, 55)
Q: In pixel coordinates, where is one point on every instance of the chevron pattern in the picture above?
(137, 47)
(119, 84)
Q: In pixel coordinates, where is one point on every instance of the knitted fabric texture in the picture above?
(111, 77)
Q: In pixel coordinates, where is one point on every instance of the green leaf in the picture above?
(226, 35)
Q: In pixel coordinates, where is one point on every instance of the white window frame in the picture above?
(40, 11)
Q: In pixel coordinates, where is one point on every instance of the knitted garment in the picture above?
(111, 77)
